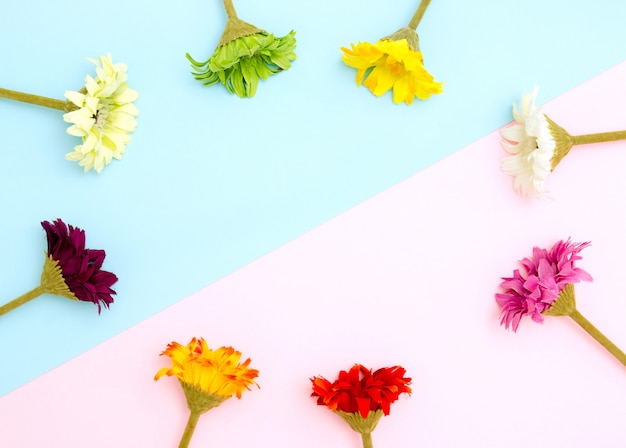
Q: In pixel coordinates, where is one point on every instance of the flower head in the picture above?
(391, 64)
(244, 54)
(239, 64)
(538, 145)
(361, 391)
(217, 372)
(104, 115)
(208, 377)
(533, 147)
(543, 277)
(81, 268)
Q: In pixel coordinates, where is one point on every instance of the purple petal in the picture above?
(81, 268)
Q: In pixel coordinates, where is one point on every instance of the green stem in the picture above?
(230, 9)
(598, 336)
(417, 17)
(189, 429)
(33, 99)
(21, 300)
(598, 138)
(367, 440)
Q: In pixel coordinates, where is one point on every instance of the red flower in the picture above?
(360, 390)
(80, 267)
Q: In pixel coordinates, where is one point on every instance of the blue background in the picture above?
(210, 181)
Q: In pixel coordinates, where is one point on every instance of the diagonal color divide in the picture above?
(211, 182)
(406, 277)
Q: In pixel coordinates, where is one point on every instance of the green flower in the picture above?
(243, 55)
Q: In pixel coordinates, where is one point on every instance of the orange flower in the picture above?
(208, 377)
(213, 371)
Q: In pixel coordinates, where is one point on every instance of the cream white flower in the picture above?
(105, 115)
(530, 141)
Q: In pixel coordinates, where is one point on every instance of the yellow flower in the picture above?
(104, 115)
(391, 64)
(208, 377)
(216, 372)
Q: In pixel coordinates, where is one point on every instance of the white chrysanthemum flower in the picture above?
(105, 116)
(530, 141)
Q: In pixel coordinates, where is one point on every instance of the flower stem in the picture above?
(600, 137)
(417, 17)
(230, 9)
(32, 99)
(189, 429)
(235, 27)
(21, 300)
(598, 336)
(367, 440)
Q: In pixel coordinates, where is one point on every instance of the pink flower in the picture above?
(538, 284)
(81, 268)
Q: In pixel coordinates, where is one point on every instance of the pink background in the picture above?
(408, 277)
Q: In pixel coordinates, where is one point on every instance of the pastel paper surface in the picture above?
(407, 277)
(197, 195)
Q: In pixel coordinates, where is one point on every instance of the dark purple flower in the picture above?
(81, 268)
(537, 286)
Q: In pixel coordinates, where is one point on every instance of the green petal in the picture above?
(194, 63)
(236, 80)
(250, 76)
(261, 69)
(209, 79)
(223, 76)
(247, 70)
